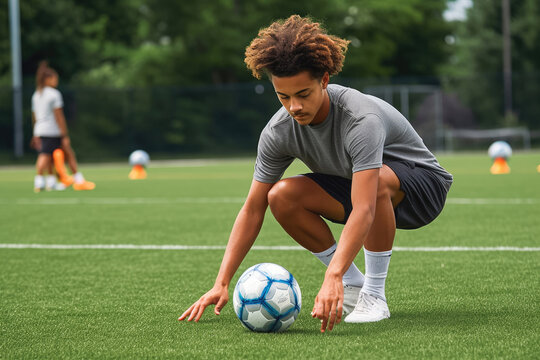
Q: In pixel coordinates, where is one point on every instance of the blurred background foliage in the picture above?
(169, 76)
(169, 42)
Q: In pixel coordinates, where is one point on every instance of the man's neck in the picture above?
(322, 114)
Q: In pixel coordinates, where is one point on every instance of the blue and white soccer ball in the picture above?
(500, 149)
(139, 157)
(267, 298)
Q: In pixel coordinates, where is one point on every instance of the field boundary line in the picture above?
(164, 163)
(223, 200)
(256, 247)
(492, 201)
(128, 201)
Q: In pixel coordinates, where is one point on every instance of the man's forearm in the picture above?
(245, 230)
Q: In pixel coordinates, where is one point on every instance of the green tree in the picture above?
(75, 36)
(169, 75)
(395, 38)
(203, 42)
(170, 42)
(475, 68)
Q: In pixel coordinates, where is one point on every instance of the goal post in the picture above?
(488, 134)
(440, 120)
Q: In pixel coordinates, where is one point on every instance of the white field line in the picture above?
(128, 201)
(256, 247)
(492, 201)
(226, 200)
(153, 163)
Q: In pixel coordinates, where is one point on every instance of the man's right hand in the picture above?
(218, 295)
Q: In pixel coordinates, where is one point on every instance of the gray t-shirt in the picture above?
(361, 132)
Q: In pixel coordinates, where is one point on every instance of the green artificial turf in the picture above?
(118, 303)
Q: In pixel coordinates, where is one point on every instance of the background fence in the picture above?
(108, 123)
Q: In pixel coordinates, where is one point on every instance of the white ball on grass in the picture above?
(139, 157)
(500, 149)
(267, 298)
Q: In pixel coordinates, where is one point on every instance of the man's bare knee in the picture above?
(283, 195)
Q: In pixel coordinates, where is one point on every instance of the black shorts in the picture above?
(425, 193)
(49, 144)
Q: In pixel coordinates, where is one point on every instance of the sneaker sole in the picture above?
(362, 321)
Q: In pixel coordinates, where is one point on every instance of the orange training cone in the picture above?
(538, 168)
(58, 158)
(500, 166)
(137, 173)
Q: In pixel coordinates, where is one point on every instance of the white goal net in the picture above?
(515, 136)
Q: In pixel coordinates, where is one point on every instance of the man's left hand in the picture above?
(329, 303)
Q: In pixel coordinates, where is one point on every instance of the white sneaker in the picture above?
(59, 186)
(39, 183)
(78, 177)
(350, 298)
(368, 309)
(50, 182)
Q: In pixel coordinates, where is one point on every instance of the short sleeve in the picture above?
(57, 100)
(365, 143)
(271, 160)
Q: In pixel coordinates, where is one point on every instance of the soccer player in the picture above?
(51, 134)
(370, 171)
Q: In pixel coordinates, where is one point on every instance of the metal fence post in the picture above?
(14, 23)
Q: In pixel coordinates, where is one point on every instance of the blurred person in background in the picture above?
(51, 136)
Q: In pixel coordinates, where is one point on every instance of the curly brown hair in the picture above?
(296, 44)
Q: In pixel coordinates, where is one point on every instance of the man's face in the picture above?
(304, 97)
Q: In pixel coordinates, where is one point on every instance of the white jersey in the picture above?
(43, 104)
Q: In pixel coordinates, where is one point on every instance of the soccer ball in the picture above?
(267, 298)
(500, 149)
(139, 157)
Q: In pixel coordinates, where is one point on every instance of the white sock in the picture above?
(376, 272)
(39, 182)
(78, 177)
(352, 277)
(50, 181)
